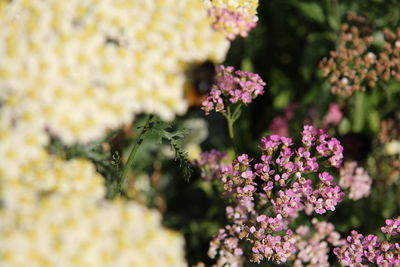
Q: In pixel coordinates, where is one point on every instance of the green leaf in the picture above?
(360, 107)
(282, 100)
(312, 11)
(374, 121)
(379, 39)
(344, 126)
(247, 65)
(334, 22)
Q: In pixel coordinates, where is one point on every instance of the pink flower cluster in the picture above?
(267, 196)
(333, 116)
(313, 244)
(211, 163)
(232, 24)
(361, 251)
(233, 87)
(392, 227)
(273, 247)
(324, 144)
(355, 178)
(226, 245)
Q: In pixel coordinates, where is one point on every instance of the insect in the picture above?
(201, 78)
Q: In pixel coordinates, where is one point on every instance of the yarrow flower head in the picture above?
(231, 23)
(63, 72)
(362, 250)
(233, 18)
(355, 178)
(80, 61)
(354, 66)
(267, 196)
(233, 87)
(42, 208)
(392, 227)
(313, 243)
(226, 247)
(61, 231)
(211, 164)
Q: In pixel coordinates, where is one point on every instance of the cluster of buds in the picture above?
(353, 66)
(388, 65)
(232, 87)
(356, 179)
(360, 250)
(267, 196)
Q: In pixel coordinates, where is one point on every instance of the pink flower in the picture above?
(312, 243)
(359, 250)
(356, 179)
(211, 164)
(392, 227)
(232, 87)
(333, 116)
(231, 23)
(277, 184)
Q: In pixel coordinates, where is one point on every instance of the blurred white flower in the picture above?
(392, 148)
(89, 66)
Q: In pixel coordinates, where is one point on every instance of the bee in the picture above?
(201, 77)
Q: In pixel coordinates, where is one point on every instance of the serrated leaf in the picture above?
(167, 135)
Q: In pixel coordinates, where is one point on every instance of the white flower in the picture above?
(392, 148)
(92, 65)
(60, 231)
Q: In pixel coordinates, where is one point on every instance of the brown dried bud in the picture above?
(352, 66)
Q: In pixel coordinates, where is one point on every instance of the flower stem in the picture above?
(132, 154)
(230, 125)
(231, 118)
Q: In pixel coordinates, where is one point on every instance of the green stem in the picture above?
(231, 119)
(339, 21)
(132, 154)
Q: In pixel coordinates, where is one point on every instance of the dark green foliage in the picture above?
(107, 164)
(173, 135)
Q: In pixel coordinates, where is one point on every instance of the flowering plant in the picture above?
(266, 197)
(105, 106)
